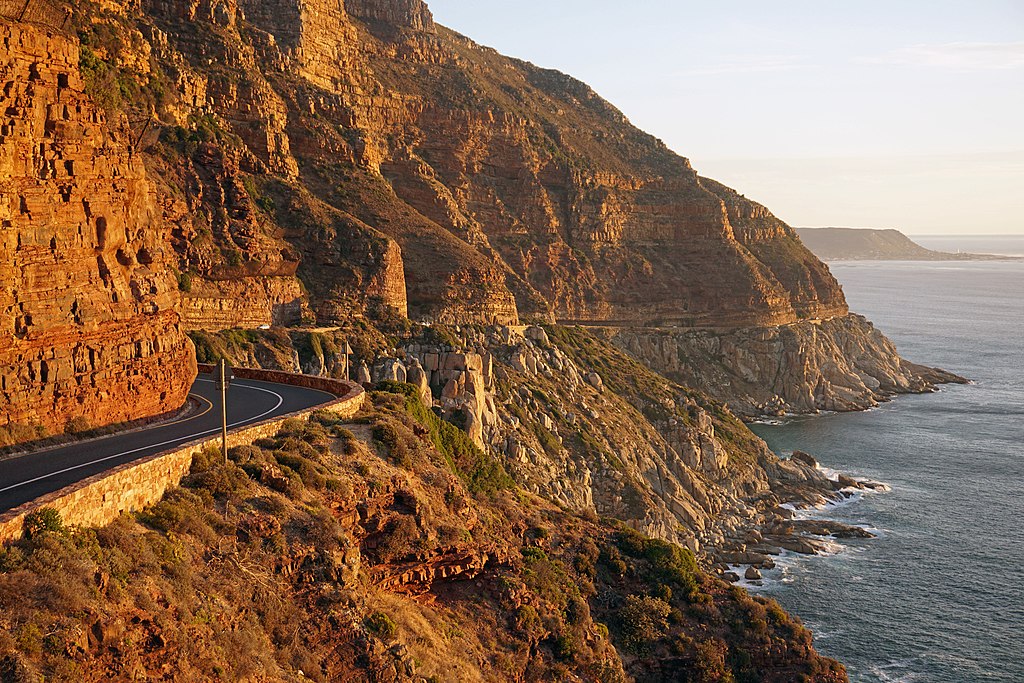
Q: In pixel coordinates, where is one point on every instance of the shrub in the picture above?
(180, 510)
(709, 663)
(306, 470)
(17, 433)
(222, 481)
(387, 434)
(585, 561)
(400, 539)
(672, 564)
(381, 625)
(612, 559)
(185, 283)
(643, 620)
(565, 648)
(11, 558)
(527, 620)
(481, 473)
(41, 521)
(77, 425)
(534, 554)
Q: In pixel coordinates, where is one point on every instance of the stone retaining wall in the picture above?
(130, 487)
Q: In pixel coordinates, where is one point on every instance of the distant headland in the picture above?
(869, 244)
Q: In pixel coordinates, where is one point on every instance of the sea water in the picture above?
(939, 594)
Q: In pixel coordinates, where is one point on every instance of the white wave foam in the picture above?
(895, 672)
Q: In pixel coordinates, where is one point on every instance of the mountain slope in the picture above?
(839, 244)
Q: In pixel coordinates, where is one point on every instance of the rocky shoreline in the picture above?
(777, 529)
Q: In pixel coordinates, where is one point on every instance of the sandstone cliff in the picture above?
(89, 333)
(508, 187)
(385, 162)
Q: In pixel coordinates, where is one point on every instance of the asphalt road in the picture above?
(26, 477)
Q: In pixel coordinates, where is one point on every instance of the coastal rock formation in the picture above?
(837, 364)
(245, 302)
(412, 14)
(508, 188)
(89, 334)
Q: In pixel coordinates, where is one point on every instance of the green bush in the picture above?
(534, 554)
(185, 282)
(481, 473)
(305, 468)
(527, 620)
(612, 559)
(388, 435)
(565, 648)
(42, 521)
(381, 625)
(671, 564)
(642, 621)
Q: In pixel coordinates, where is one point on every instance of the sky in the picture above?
(904, 114)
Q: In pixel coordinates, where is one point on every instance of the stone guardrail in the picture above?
(130, 487)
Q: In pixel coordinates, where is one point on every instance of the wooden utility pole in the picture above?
(223, 380)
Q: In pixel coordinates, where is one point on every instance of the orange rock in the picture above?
(88, 324)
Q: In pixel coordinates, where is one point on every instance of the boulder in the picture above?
(474, 426)
(390, 370)
(845, 482)
(752, 574)
(363, 374)
(537, 334)
(804, 458)
(416, 375)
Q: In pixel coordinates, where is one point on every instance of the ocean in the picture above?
(938, 596)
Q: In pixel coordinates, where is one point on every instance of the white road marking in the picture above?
(280, 400)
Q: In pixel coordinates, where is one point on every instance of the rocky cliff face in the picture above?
(387, 162)
(316, 161)
(88, 327)
(509, 189)
(838, 364)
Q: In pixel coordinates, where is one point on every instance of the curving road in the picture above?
(28, 476)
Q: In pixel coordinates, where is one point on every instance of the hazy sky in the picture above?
(872, 113)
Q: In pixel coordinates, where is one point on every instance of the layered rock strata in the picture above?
(509, 188)
(389, 163)
(89, 334)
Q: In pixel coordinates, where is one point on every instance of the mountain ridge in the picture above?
(874, 244)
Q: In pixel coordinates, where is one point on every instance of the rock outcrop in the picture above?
(837, 364)
(89, 334)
